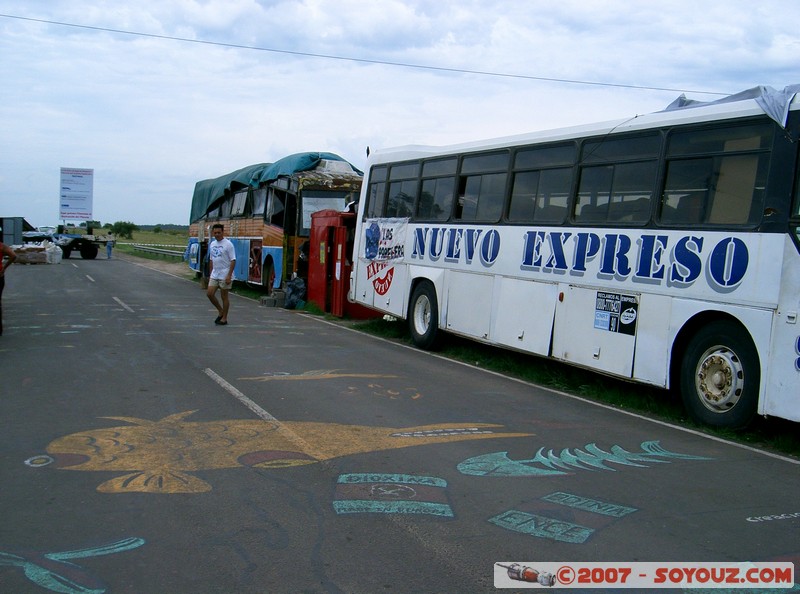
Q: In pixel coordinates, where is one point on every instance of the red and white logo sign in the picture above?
(380, 274)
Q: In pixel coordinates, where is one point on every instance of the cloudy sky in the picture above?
(155, 95)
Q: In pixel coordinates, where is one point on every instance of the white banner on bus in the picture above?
(76, 194)
(385, 239)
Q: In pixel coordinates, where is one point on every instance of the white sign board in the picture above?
(76, 193)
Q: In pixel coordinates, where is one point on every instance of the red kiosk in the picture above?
(330, 260)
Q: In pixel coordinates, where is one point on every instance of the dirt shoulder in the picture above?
(168, 265)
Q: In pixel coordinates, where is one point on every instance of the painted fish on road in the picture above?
(159, 456)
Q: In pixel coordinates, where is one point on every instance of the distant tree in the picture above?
(157, 229)
(124, 229)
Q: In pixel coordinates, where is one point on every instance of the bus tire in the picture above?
(423, 316)
(720, 376)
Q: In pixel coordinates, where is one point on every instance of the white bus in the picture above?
(663, 249)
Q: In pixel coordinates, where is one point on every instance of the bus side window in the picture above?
(717, 176)
(523, 196)
(542, 184)
(632, 192)
(621, 193)
(481, 197)
(401, 198)
(438, 186)
(737, 190)
(540, 196)
(259, 201)
(403, 186)
(376, 194)
(376, 200)
(726, 190)
(686, 192)
(225, 207)
(594, 194)
(482, 187)
(436, 199)
(618, 179)
(241, 204)
(275, 210)
(553, 195)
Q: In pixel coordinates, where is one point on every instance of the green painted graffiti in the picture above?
(55, 572)
(551, 463)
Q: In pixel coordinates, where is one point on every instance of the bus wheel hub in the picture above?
(720, 380)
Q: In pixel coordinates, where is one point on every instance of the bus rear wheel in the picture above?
(720, 376)
(423, 316)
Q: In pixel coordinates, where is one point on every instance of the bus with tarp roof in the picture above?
(266, 209)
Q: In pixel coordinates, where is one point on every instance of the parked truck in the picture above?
(87, 245)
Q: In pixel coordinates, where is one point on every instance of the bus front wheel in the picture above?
(423, 316)
(720, 376)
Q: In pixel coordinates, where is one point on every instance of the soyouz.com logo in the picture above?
(565, 575)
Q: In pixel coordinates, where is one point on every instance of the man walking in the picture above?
(222, 260)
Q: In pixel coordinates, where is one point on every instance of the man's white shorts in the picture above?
(220, 282)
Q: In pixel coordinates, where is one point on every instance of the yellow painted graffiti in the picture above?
(160, 455)
(317, 374)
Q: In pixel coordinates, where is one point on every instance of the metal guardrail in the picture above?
(157, 250)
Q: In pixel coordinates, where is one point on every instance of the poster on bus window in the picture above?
(385, 239)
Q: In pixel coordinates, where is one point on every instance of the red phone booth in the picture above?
(330, 260)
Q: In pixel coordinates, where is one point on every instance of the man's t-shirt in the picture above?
(222, 253)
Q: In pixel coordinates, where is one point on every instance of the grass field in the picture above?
(169, 238)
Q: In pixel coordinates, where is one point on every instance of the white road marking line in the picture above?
(301, 443)
(118, 300)
(239, 396)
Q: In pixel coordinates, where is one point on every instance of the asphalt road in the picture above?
(146, 450)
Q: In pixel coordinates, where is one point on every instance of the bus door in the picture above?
(242, 248)
(254, 262)
(596, 328)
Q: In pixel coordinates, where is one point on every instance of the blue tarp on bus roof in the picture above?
(208, 192)
(774, 103)
(297, 162)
